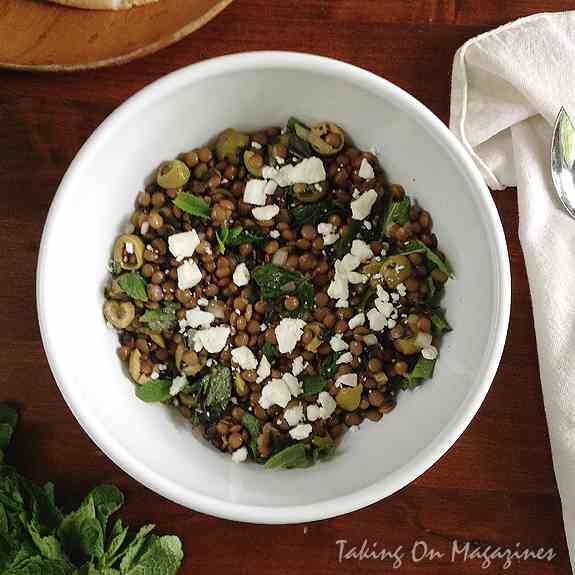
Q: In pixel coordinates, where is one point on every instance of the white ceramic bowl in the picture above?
(183, 110)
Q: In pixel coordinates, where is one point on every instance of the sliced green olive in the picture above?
(240, 385)
(173, 174)
(407, 346)
(308, 193)
(254, 163)
(135, 367)
(119, 313)
(132, 258)
(188, 400)
(188, 362)
(395, 270)
(158, 339)
(229, 144)
(349, 398)
(326, 138)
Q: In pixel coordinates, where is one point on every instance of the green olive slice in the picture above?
(349, 399)
(308, 193)
(407, 346)
(119, 313)
(254, 163)
(326, 138)
(395, 270)
(135, 367)
(129, 252)
(229, 144)
(173, 174)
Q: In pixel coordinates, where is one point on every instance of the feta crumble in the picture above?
(361, 207)
(244, 357)
(266, 212)
(213, 339)
(295, 387)
(361, 250)
(288, 332)
(264, 369)
(184, 244)
(365, 170)
(274, 234)
(293, 415)
(337, 344)
(241, 275)
(301, 431)
(178, 383)
(349, 379)
(430, 352)
(255, 192)
(297, 365)
(240, 455)
(276, 392)
(196, 317)
(327, 404)
(189, 275)
(346, 357)
(356, 320)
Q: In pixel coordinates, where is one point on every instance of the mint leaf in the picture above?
(423, 370)
(313, 213)
(161, 319)
(134, 285)
(328, 366)
(288, 458)
(81, 533)
(417, 246)
(398, 213)
(8, 415)
(252, 424)
(193, 205)
(155, 390)
(324, 447)
(107, 500)
(133, 549)
(41, 566)
(217, 388)
(270, 351)
(5, 435)
(439, 323)
(158, 556)
(313, 384)
(48, 546)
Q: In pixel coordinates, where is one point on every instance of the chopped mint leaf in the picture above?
(193, 205)
(155, 390)
(313, 384)
(134, 285)
(161, 319)
(289, 458)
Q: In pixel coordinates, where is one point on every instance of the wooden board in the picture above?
(38, 35)
(495, 486)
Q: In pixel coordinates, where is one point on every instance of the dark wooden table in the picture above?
(494, 487)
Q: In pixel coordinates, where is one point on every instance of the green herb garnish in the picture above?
(37, 538)
(275, 283)
(133, 284)
(161, 319)
(193, 205)
(422, 371)
(313, 213)
(252, 424)
(313, 384)
(270, 351)
(289, 458)
(398, 213)
(417, 246)
(236, 237)
(155, 390)
(324, 447)
(217, 390)
(328, 366)
(439, 323)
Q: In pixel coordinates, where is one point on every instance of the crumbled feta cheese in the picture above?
(298, 365)
(203, 302)
(327, 404)
(129, 246)
(308, 171)
(264, 369)
(155, 375)
(355, 194)
(385, 308)
(198, 318)
(263, 327)
(338, 288)
(256, 145)
(356, 320)
(395, 297)
(274, 234)
(183, 245)
(276, 392)
(365, 170)
(144, 228)
(240, 455)
(295, 387)
(349, 379)
(244, 357)
(367, 224)
(391, 323)
(361, 207)
(293, 415)
(209, 362)
(241, 275)
(356, 278)
(213, 339)
(178, 383)
(361, 250)
(189, 275)
(349, 262)
(346, 357)
(341, 303)
(313, 413)
(288, 333)
(266, 212)
(301, 431)
(429, 352)
(382, 294)
(337, 344)
(354, 428)
(255, 192)
(325, 228)
(270, 188)
(330, 239)
(377, 320)
(401, 289)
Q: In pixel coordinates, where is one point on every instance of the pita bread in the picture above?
(104, 4)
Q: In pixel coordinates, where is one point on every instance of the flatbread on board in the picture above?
(104, 4)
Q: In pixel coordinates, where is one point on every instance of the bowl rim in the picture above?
(460, 419)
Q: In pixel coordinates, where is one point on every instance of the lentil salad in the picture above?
(277, 290)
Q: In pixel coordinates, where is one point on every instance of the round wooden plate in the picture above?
(37, 35)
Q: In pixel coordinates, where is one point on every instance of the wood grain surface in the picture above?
(42, 36)
(494, 487)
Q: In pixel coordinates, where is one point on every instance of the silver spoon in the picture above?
(562, 160)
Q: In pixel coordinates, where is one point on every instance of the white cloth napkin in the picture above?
(507, 88)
